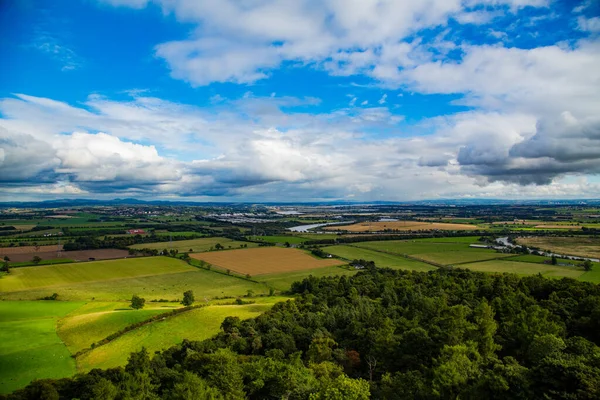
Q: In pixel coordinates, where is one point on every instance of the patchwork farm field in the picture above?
(438, 253)
(525, 268)
(575, 246)
(195, 245)
(26, 278)
(278, 239)
(197, 324)
(402, 226)
(283, 281)
(264, 260)
(205, 284)
(76, 255)
(86, 326)
(381, 259)
(29, 346)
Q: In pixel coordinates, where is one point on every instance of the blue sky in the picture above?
(281, 100)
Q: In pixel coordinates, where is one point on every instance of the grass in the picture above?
(198, 324)
(278, 239)
(380, 259)
(438, 253)
(591, 276)
(530, 258)
(80, 331)
(204, 283)
(575, 246)
(68, 274)
(458, 239)
(29, 346)
(197, 245)
(319, 236)
(401, 226)
(43, 262)
(525, 268)
(284, 280)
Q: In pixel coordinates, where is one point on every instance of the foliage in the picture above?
(188, 298)
(137, 302)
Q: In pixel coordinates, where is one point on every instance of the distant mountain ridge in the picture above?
(437, 202)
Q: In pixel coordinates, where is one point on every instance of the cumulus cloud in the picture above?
(242, 42)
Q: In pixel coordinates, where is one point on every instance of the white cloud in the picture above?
(589, 24)
(250, 148)
(243, 41)
(382, 100)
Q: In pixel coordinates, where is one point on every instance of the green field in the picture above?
(196, 245)
(278, 239)
(27, 278)
(380, 259)
(319, 236)
(458, 239)
(197, 324)
(204, 283)
(29, 346)
(525, 268)
(438, 253)
(283, 281)
(591, 276)
(79, 331)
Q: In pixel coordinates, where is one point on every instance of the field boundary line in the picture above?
(409, 257)
(132, 327)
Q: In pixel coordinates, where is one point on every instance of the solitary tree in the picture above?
(36, 259)
(137, 302)
(219, 246)
(188, 298)
(554, 260)
(587, 265)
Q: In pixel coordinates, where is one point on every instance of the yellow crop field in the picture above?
(265, 260)
(403, 226)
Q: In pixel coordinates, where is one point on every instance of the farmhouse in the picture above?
(136, 232)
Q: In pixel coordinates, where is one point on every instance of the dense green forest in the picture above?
(383, 334)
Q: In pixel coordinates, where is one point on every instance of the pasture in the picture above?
(195, 245)
(437, 253)
(574, 246)
(265, 260)
(525, 268)
(79, 331)
(28, 278)
(278, 239)
(75, 255)
(283, 281)
(29, 346)
(170, 286)
(402, 226)
(197, 324)
(382, 260)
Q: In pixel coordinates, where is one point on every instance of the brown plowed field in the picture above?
(403, 226)
(264, 260)
(9, 251)
(76, 255)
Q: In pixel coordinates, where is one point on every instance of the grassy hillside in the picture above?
(196, 245)
(380, 259)
(166, 286)
(197, 324)
(29, 346)
(68, 274)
